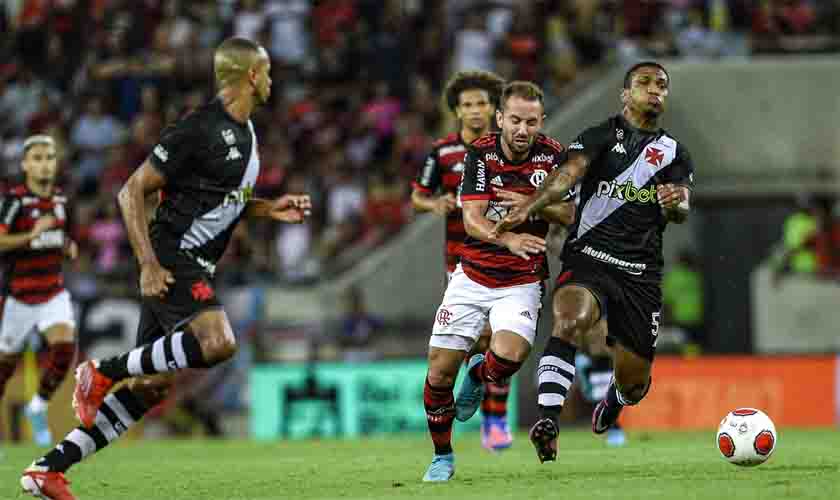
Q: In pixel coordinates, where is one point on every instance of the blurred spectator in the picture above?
(358, 327)
(682, 296)
(797, 253)
(357, 85)
(108, 237)
(94, 132)
(473, 45)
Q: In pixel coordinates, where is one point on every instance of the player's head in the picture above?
(239, 62)
(473, 97)
(646, 86)
(40, 164)
(520, 115)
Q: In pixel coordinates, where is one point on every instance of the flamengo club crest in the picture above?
(444, 316)
(538, 177)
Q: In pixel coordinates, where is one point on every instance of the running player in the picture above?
(34, 241)
(205, 167)
(499, 278)
(473, 97)
(634, 179)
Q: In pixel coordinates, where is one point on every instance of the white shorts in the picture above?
(20, 319)
(468, 305)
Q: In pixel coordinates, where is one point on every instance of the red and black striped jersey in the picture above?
(441, 172)
(33, 273)
(487, 168)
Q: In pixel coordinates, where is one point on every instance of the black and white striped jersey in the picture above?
(211, 164)
(619, 221)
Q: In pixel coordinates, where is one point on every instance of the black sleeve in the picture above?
(591, 142)
(428, 180)
(681, 170)
(176, 144)
(9, 209)
(474, 181)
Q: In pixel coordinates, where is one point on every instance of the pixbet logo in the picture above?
(627, 192)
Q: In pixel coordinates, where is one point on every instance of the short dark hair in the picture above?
(524, 90)
(628, 77)
(470, 80)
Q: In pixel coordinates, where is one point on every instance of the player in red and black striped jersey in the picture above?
(34, 241)
(499, 279)
(473, 97)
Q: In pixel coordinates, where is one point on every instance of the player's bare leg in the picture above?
(495, 432)
(61, 344)
(630, 385)
(119, 411)
(507, 352)
(204, 342)
(439, 401)
(576, 311)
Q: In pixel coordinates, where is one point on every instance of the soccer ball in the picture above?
(746, 437)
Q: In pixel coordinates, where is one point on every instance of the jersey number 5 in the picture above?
(654, 326)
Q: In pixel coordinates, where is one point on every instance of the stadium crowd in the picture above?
(355, 105)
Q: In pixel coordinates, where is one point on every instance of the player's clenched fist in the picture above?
(292, 208)
(155, 280)
(670, 195)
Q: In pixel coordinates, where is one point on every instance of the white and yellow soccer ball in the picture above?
(746, 437)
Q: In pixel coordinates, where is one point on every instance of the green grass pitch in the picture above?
(667, 465)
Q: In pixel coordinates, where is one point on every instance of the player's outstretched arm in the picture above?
(12, 241)
(479, 227)
(291, 208)
(674, 200)
(147, 179)
(562, 213)
(555, 188)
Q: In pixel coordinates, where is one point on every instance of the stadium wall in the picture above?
(796, 391)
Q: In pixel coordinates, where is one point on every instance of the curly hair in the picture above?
(470, 80)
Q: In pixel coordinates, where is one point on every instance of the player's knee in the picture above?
(569, 326)
(151, 390)
(633, 393)
(440, 379)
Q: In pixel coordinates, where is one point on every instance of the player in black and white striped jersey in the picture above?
(204, 167)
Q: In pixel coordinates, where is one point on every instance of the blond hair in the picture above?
(233, 58)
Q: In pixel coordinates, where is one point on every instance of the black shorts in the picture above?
(191, 294)
(631, 304)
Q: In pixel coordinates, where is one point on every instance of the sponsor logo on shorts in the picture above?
(526, 314)
(634, 268)
(444, 316)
